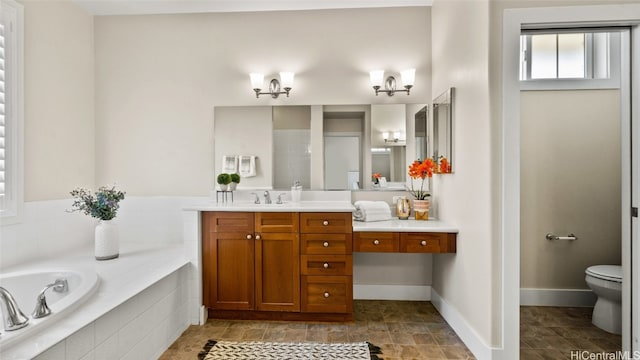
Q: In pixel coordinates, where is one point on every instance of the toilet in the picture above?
(606, 283)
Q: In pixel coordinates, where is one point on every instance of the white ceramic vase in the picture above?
(106, 240)
(232, 186)
(223, 187)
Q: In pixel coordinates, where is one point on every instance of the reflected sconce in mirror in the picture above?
(275, 85)
(377, 78)
(397, 137)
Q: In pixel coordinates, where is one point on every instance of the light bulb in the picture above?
(257, 80)
(376, 77)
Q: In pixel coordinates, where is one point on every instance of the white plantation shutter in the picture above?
(10, 111)
(2, 117)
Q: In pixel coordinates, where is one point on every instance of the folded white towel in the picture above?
(371, 211)
(229, 164)
(247, 166)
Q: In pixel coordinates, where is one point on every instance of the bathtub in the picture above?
(26, 285)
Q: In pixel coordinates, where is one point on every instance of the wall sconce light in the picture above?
(286, 81)
(408, 78)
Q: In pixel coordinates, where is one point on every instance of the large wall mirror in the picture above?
(443, 131)
(322, 147)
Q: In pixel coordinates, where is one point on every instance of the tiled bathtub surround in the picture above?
(140, 303)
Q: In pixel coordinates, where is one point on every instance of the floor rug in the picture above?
(250, 350)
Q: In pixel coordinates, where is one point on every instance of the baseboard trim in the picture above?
(465, 332)
(392, 292)
(557, 297)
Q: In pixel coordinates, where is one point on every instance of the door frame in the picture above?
(513, 22)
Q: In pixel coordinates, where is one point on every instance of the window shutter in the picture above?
(2, 117)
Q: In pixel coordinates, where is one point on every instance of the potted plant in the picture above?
(421, 170)
(235, 180)
(102, 205)
(223, 180)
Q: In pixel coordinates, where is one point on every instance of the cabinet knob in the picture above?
(325, 223)
(326, 294)
(249, 237)
(258, 237)
(325, 265)
(423, 242)
(325, 244)
(376, 242)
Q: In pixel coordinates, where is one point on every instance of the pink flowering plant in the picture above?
(103, 204)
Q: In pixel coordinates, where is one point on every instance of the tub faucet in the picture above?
(42, 309)
(14, 319)
(267, 197)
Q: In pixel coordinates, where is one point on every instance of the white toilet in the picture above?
(606, 283)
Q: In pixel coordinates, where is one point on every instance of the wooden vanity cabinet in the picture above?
(251, 261)
(404, 242)
(326, 263)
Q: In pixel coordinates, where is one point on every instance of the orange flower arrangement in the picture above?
(376, 177)
(421, 170)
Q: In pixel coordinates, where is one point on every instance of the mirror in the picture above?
(388, 145)
(324, 147)
(421, 119)
(443, 132)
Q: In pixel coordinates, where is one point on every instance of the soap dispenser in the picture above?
(296, 192)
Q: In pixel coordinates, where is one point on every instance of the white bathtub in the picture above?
(26, 285)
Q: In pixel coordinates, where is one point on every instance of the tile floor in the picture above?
(412, 330)
(403, 329)
(552, 333)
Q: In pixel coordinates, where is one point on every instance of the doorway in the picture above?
(514, 21)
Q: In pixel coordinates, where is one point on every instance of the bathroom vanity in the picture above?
(295, 262)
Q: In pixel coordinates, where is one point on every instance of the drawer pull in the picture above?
(325, 244)
(258, 237)
(249, 237)
(423, 242)
(326, 294)
(325, 223)
(376, 242)
(326, 265)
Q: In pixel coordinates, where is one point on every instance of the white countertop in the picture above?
(411, 225)
(138, 267)
(302, 206)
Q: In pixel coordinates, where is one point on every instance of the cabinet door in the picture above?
(326, 223)
(277, 222)
(228, 271)
(428, 242)
(327, 294)
(278, 272)
(228, 222)
(376, 242)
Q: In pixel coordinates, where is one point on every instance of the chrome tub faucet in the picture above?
(14, 319)
(42, 309)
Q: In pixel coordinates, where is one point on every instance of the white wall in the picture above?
(159, 77)
(59, 99)
(464, 281)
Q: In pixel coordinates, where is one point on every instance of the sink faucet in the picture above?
(267, 197)
(257, 199)
(14, 319)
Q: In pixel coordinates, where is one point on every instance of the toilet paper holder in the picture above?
(570, 237)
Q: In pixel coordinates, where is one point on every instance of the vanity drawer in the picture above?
(326, 244)
(327, 294)
(428, 242)
(376, 242)
(227, 222)
(326, 265)
(277, 222)
(326, 223)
